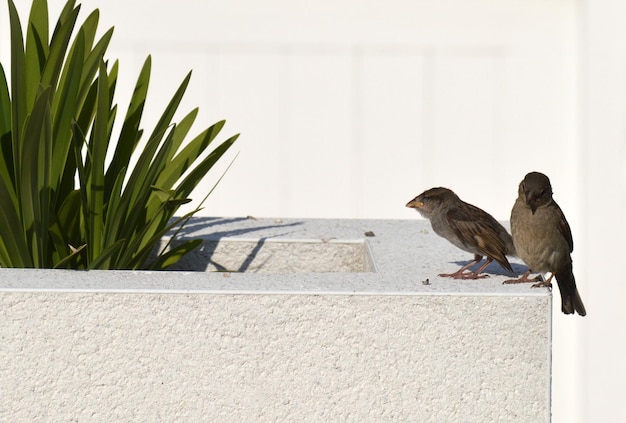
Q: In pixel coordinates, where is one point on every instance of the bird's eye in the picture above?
(425, 199)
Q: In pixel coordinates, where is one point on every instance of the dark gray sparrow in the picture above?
(543, 239)
(467, 227)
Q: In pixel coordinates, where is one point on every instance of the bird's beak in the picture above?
(530, 201)
(415, 204)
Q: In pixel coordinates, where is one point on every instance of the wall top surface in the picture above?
(398, 257)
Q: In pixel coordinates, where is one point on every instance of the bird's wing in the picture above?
(479, 230)
(564, 227)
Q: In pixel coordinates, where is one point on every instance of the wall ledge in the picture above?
(385, 338)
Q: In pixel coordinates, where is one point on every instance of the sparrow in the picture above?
(543, 240)
(467, 227)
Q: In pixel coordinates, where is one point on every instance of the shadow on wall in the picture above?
(244, 250)
(208, 227)
(219, 252)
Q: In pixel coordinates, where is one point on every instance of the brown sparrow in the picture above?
(543, 240)
(467, 227)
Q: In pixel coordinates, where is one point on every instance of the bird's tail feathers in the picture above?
(504, 263)
(570, 298)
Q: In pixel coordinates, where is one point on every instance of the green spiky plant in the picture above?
(56, 128)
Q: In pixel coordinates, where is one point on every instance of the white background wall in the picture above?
(349, 109)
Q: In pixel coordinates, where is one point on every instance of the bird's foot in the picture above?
(464, 275)
(542, 284)
(524, 279)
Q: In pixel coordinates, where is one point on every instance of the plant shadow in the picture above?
(208, 229)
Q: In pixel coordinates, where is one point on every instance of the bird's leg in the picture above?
(481, 268)
(542, 283)
(462, 274)
(524, 278)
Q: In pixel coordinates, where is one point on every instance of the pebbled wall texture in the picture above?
(141, 346)
(194, 357)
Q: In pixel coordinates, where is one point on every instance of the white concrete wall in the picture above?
(194, 357)
(308, 345)
(348, 109)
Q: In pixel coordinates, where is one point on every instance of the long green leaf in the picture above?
(135, 256)
(136, 210)
(87, 109)
(63, 109)
(171, 170)
(172, 256)
(189, 183)
(129, 134)
(143, 163)
(15, 252)
(5, 107)
(36, 51)
(78, 141)
(115, 210)
(185, 159)
(92, 61)
(102, 260)
(182, 130)
(58, 47)
(6, 143)
(20, 107)
(95, 174)
(72, 260)
(35, 178)
(65, 230)
(65, 14)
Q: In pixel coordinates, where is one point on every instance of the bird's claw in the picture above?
(542, 284)
(464, 275)
(523, 279)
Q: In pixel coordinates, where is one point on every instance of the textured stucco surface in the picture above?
(336, 346)
(150, 357)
